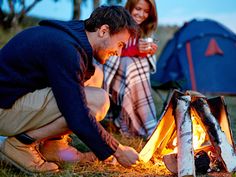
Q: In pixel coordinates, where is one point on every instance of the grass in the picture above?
(231, 105)
(110, 168)
(5, 36)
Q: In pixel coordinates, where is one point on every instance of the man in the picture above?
(42, 94)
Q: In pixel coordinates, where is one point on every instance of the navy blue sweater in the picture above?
(55, 54)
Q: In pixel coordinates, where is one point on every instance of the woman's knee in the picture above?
(98, 102)
(97, 79)
(103, 105)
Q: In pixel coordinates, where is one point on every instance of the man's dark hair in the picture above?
(116, 17)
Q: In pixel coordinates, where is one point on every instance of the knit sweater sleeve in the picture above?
(65, 76)
(131, 50)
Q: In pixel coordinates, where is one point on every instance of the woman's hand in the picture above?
(153, 48)
(147, 47)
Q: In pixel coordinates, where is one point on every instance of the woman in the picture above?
(127, 77)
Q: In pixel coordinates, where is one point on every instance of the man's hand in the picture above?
(126, 156)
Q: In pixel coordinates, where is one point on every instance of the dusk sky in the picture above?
(172, 12)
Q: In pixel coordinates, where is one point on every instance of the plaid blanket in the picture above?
(127, 79)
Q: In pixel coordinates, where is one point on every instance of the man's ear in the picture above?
(103, 31)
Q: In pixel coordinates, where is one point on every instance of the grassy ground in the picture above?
(153, 168)
(5, 36)
(231, 104)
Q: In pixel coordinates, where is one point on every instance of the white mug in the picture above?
(149, 40)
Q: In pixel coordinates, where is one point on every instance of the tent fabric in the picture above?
(201, 56)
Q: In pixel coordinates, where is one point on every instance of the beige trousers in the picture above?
(30, 112)
(39, 108)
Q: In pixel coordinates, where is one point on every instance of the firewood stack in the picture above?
(212, 115)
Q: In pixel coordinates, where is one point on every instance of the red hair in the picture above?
(150, 24)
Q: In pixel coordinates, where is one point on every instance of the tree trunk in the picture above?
(76, 9)
(2, 17)
(14, 18)
(96, 3)
(6, 21)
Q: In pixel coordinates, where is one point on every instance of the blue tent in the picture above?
(201, 56)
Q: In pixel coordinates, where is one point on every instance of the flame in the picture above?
(199, 135)
(164, 139)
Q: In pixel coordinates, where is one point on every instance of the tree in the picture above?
(18, 9)
(76, 9)
(114, 1)
(96, 3)
(15, 15)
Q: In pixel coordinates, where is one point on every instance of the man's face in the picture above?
(110, 45)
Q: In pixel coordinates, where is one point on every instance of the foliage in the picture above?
(18, 9)
(164, 33)
(96, 3)
(6, 35)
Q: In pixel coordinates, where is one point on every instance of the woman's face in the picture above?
(141, 11)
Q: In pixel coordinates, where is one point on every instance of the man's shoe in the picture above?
(25, 157)
(60, 151)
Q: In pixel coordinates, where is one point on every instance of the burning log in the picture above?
(219, 111)
(216, 135)
(157, 138)
(202, 162)
(160, 136)
(204, 136)
(185, 157)
(170, 161)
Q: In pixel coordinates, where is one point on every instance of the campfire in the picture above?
(193, 135)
